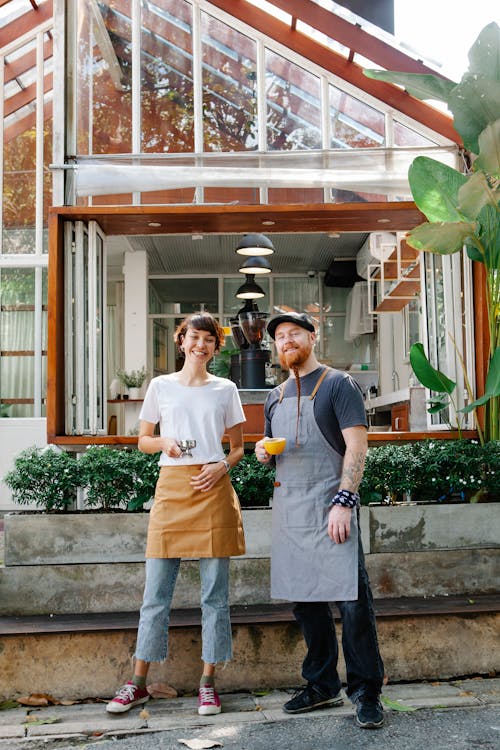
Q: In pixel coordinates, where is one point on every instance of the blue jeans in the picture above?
(161, 575)
(365, 669)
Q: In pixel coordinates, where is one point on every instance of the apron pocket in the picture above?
(299, 505)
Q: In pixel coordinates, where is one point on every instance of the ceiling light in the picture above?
(154, 224)
(255, 244)
(250, 290)
(334, 235)
(268, 223)
(255, 265)
(383, 221)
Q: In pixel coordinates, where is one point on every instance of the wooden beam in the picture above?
(25, 23)
(481, 333)
(335, 63)
(189, 219)
(352, 36)
(15, 68)
(55, 330)
(27, 95)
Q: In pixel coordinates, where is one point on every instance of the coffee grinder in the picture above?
(248, 330)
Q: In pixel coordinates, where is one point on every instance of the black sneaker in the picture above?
(309, 699)
(369, 713)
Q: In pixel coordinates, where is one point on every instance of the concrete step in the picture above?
(419, 639)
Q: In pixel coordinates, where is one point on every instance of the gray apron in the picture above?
(306, 565)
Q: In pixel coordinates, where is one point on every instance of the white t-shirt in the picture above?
(202, 413)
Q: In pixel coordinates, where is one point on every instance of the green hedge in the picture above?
(430, 470)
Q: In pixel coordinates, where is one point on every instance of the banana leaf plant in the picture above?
(464, 209)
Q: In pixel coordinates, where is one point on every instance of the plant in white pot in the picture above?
(133, 381)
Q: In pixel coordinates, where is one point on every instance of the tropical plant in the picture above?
(463, 209)
(220, 364)
(132, 379)
(47, 478)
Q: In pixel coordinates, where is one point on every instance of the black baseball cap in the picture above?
(299, 319)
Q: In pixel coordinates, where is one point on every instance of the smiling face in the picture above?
(198, 346)
(294, 345)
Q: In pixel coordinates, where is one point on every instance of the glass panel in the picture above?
(436, 319)
(86, 333)
(104, 74)
(335, 298)
(353, 123)
(19, 192)
(404, 136)
(167, 77)
(161, 341)
(293, 105)
(229, 88)
(337, 352)
(100, 353)
(184, 296)
(296, 294)
(17, 336)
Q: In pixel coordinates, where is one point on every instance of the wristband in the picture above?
(346, 499)
(226, 464)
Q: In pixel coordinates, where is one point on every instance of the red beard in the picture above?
(295, 357)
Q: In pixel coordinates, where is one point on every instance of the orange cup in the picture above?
(275, 445)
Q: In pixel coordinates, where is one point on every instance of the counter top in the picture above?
(253, 395)
(388, 399)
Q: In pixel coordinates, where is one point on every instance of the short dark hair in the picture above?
(200, 321)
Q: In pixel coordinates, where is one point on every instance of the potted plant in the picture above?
(132, 380)
(464, 209)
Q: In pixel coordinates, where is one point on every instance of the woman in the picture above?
(196, 512)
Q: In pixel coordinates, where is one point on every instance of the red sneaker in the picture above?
(127, 697)
(208, 701)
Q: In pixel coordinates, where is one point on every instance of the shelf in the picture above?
(125, 400)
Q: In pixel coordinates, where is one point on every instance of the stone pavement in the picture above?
(89, 722)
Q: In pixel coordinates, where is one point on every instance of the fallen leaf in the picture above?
(201, 744)
(35, 722)
(396, 705)
(162, 690)
(37, 699)
(144, 714)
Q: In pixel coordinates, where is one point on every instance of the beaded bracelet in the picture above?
(346, 499)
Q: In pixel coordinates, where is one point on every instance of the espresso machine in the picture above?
(248, 328)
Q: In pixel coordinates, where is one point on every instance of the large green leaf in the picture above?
(484, 55)
(489, 149)
(492, 385)
(435, 187)
(427, 374)
(440, 237)
(419, 85)
(489, 236)
(475, 194)
(475, 103)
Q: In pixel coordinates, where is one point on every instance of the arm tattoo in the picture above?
(352, 470)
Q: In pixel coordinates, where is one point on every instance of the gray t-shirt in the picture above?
(338, 404)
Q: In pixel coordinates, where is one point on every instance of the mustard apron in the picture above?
(306, 565)
(185, 522)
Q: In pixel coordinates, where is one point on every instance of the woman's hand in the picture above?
(208, 476)
(170, 447)
(261, 454)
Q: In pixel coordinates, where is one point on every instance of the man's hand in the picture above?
(262, 456)
(339, 524)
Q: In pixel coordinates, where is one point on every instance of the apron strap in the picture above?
(319, 381)
(282, 392)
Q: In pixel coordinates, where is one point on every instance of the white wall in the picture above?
(15, 436)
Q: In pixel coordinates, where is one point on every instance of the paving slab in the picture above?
(90, 721)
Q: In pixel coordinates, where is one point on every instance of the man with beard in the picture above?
(316, 554)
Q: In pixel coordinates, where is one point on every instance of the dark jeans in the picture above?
(365, 669)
